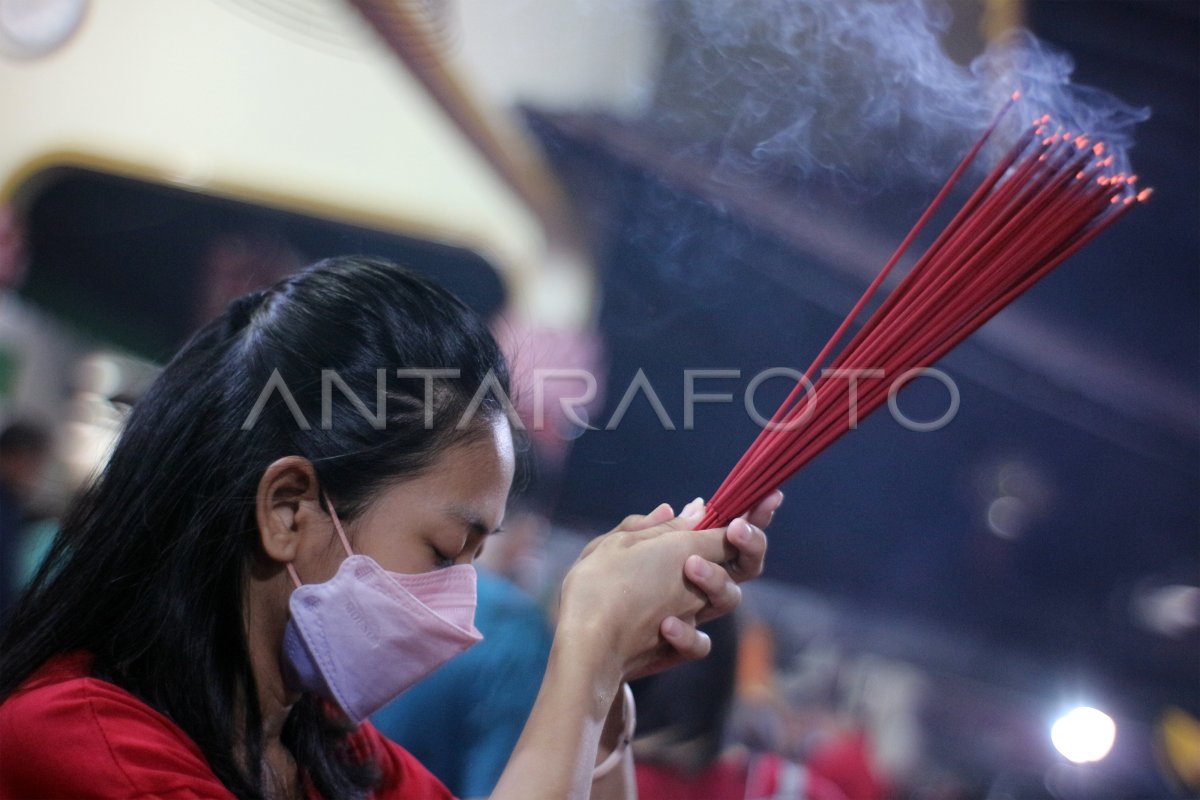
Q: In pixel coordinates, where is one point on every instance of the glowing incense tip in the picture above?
(1144, 195)
(1098, 149)
(1016, 95)
(1081, 142)
(1079, 175)
(1129, 200)
(1115, 200)
(1132, 179)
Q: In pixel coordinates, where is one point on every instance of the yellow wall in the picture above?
(212, 95)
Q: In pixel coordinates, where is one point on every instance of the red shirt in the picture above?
(724, 780)
(763, 776)
(65, 734)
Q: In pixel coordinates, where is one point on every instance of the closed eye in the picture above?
(441, 560)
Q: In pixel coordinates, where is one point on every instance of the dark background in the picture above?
(1080, 401)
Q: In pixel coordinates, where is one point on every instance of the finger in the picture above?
(646, 524)
(761, 515)
(688, 641)
(750, 544)
(660, 515)
(693, 508)
(639, 522)
(589, 547)
(688, 518)
(720, 590)
(711, 544)
(634, 523)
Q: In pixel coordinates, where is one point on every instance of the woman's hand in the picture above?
(745, 535)
(629, 607)
(640, 590)
(719, 582)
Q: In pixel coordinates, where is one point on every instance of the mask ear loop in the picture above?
(337, 525)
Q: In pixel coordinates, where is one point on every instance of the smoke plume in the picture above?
(860, 92)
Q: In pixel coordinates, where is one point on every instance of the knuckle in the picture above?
(758, 539)
(723, 582)
(623, 538)
(729, 601)
(715, 582)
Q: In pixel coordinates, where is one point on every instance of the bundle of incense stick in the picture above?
(1048, 196)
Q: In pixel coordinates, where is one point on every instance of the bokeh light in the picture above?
(1084, 734)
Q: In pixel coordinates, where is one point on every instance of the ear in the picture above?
(286, 505)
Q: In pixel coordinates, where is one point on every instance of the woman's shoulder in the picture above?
(65, 733)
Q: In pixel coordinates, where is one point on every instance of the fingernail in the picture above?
(700, 567)
(660, 508)
(775, 501)
(694, 509)
(739, 531)
(672, 626)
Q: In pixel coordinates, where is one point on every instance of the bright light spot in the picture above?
(1084, 734)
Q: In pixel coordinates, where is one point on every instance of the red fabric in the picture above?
(773, 777)
(766, 777)
(724, 780)
(846, 762)
(66, 734)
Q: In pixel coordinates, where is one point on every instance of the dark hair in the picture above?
(149, 571)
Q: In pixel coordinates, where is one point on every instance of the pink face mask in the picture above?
(365, 635)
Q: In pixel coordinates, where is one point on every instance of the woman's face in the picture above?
(441, 517)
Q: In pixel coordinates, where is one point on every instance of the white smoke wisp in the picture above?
(1043, 76)
(860, 91)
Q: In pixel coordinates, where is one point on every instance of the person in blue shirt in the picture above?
(479, 701)
(24, 452)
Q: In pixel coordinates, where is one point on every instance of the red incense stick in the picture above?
(1047, 197)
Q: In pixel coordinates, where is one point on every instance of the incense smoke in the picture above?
(860, 92)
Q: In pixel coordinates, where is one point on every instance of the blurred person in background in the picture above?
(721, 729)
(240, 261)
(681, 724)
(12, 273)
(481, 700)
(24, 455)
(685, 750)
(205, 625)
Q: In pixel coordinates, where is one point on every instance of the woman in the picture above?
(269, 556)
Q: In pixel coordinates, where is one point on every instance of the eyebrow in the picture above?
(472, 520)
